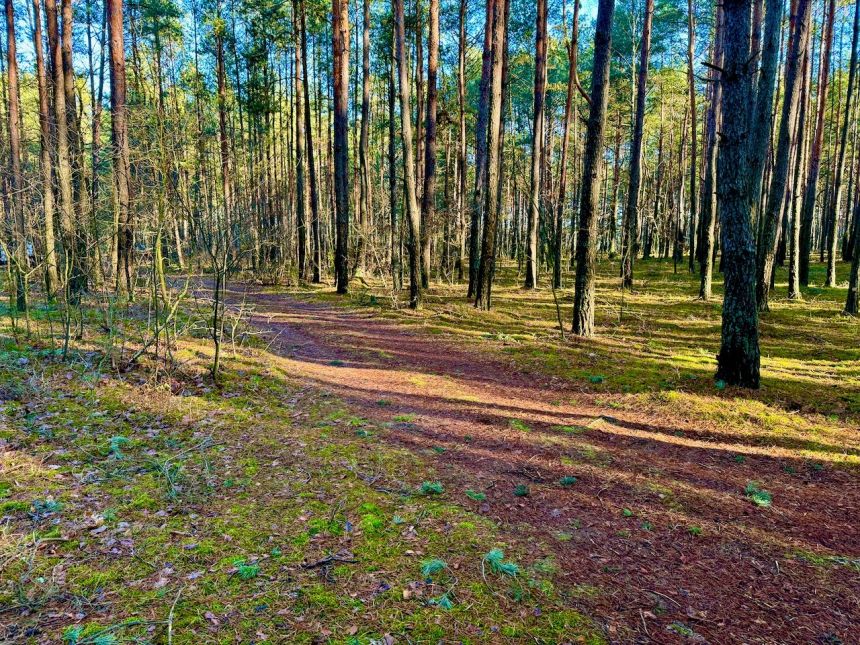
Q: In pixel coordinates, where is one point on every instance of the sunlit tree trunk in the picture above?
(428, 198)
(538, 138)
(413, 214)
(45, 159)
(630, 248)
(121, 155)
(738, 360)
(486, 267)
(586, 244)
(18, 255)
(340, 44)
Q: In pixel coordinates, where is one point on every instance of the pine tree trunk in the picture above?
(340, 46)
(738, 360)
(413, 214)
(631, 233)
(121, 156)
(428, 198)
(583, 304)
(815, 153)
(492, 188)
(832, 216)
(46, 163)
(18, 255)
(538, 119)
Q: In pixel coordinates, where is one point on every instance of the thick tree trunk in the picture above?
(481, 150)
(121, 155)
(413, 213)
(486, 269)
(738, 360)
(364, 209)
(630, 248)
(46, 161)
(340, 45)
(428, 199)
(538, 119)
(583, 303)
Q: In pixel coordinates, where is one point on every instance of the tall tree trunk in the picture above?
(413, 214)
(364, 164)
(691, 88)
(481, 149)
(780, 174)
(836, 200)
(492, 188)
(762, 112)
(815, 153)
(68, 219)
(301, 190)
(316, 255)
(428, 198)
(18, 255)
(46, 162)
(586, 249)
(461, 141)
(340, 45)
(572, 51)
(537, 147)
(631, 247)
(709, 204)
(121, 156)
(396, 278)
(738, 360)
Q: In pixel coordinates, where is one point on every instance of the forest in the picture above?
(438, 321)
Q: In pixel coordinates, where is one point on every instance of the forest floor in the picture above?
(361, 466)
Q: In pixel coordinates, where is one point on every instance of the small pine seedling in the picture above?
(432, 567)
(626, 512)
(694, 530)
(567, 481)
(476, 495)
(245, 570)
(432, 488)
(496, 559)
(758, 496)
(521, 490)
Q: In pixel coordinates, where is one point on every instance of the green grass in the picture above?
(91, 461)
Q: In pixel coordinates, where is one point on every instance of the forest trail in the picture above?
(656, 538)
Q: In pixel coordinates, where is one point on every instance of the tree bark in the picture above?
(538, 119)
(586, 249)
(413, 214)
(691, 88)
(428, 198)
(836, 200)
(340, 45)
(738, 360)
(780, 173)
(481, 149)
(316, 255)
(486, 267)
(631, 235)
(815, 153)
(18, 255)
(121, 155)
(46, 162)
(364, 209)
